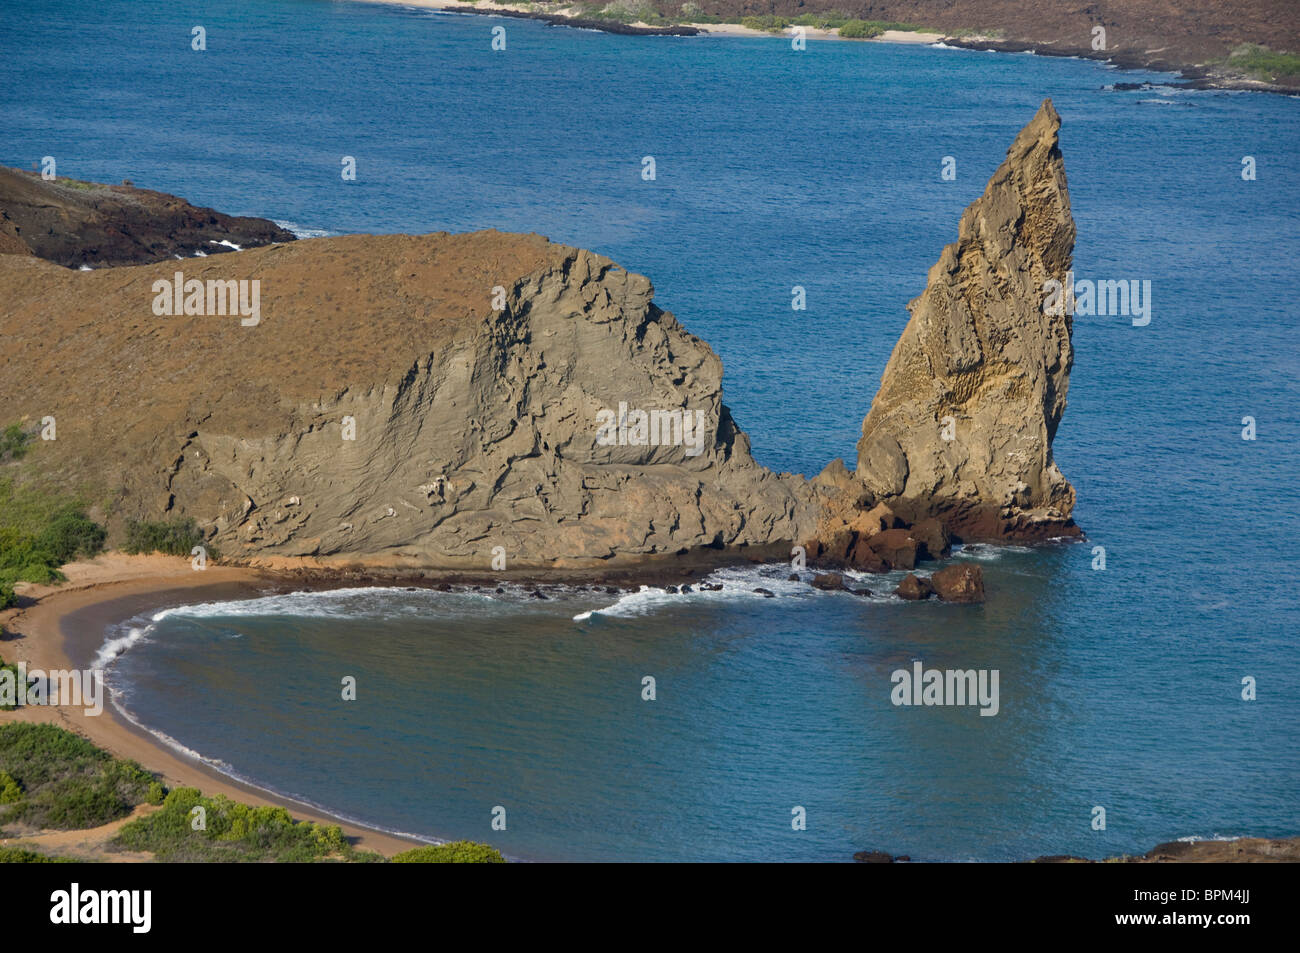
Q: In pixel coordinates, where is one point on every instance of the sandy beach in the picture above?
(61, 627)
(706, 29)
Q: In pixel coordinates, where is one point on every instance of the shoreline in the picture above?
(64, 628)
(1190, 75)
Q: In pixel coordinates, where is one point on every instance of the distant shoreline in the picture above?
(1193, 75)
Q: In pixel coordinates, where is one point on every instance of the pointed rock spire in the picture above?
(962, 426)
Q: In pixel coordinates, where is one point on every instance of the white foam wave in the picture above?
(330, 603)
(739, 584)
(113, 647)
(301, 231)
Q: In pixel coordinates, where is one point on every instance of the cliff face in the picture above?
(962, 426)
(85, 223)
(384, 407)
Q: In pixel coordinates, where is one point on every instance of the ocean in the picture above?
(1120, 688)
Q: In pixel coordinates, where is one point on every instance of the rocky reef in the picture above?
(440, 401)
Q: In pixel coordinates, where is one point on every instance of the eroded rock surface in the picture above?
(474, 427)
(962, 426)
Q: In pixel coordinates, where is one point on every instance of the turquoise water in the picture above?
(1118, 688)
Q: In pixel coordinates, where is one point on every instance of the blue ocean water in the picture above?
(1120, 688)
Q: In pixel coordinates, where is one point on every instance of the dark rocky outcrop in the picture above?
(73, 223)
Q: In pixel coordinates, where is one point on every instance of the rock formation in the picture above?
(76, 223)
(474, 426)
(421, 401)
(960, 432)
(962, 426)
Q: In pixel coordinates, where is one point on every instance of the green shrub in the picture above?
(40, 531)
(233, 832)
(1263, 63)
(72, 534)
(7, 597)
(176, 537)
(767, 22)
(14, 442)
(10, 791)
(67, 783)
(17, 855)
(457, 852)
(860, 30)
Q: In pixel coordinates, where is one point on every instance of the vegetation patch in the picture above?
(14, 442)
(1263, 63)
(52, 778)
(17, 855)
(232, 832)
(176, 537)
(39, 532)
(457, 852)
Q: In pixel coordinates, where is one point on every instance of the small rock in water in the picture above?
(611, 590)
(685, 589)
(500, 591)
(793, 577)
(830, 581)
(537, 594)
(766, 593)
(672, 589)
(711, 586)
(873, 857)
(963, 582)
(914, 587)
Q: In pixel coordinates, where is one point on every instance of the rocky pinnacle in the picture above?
(961, 429)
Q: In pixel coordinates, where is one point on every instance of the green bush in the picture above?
(233, 832)
(1263, 63)
(66, 782)
(17, 855)
(70, 535)
(767, 22)
(14, 442)
(10, 791)
(40, 531)
(7, 597)
(860, 30)
(176, 537)
(457, 852)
